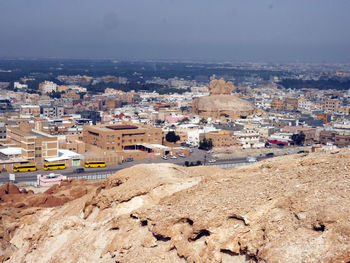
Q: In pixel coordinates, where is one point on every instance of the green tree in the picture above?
(298, 139)
(172, 137)
(187, 163)
(184, 120)
(206, 144)
(159, 122)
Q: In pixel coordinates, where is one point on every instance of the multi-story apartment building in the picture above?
(47, 87)
(2, 130)
(341, 140)
(304, 104)
(310, 133)
(30, 110)
(291, 104)
(331, 105)
(277, 104)
(121, 137)
(52, 111)
(36, 146)
(249, 138)
(222, 139)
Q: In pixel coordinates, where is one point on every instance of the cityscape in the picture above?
(185, 132)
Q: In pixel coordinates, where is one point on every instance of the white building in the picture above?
(18, 85)
(47, 87)
(249, 139)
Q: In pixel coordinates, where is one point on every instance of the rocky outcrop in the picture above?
(221, 104)
(17, 205)
(221, 87)
(288, 209)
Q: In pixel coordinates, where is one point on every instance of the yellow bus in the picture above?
(24, 168)
(94, 164)
(54, 166)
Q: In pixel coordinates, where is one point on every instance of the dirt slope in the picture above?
(287, 209)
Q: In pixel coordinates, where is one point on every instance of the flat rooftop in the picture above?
(122, 127)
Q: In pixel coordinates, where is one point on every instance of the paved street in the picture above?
(197, 155)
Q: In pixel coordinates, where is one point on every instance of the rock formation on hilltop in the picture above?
(288, 209)
(221, 87)
(221, 104)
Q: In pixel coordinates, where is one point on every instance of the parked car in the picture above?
(212, 161)
(182, 155)
(129, 159)
(173, 157)
(301, 151)
(79, 170)
(164, 157)
(251, 159)
(270, 155)
(210, 151)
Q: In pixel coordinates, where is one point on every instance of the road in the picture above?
(197, 155)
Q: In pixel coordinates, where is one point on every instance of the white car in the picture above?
(173, 157)
(164, 157)
(212, 161)
(182, 155)
(210, 151)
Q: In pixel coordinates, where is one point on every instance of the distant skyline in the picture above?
(204, 30)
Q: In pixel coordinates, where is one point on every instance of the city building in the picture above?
(18, 85)
(277, 104)
(291, 104)
(2, 130)
(340, 140)
(310, 133)
(36, 146)
(47, 87)
(248, 138)
(121, 137)
(331, 105)
(222, 139)
(51, 111)
(30, 110)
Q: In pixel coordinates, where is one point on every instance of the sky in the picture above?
(203, 30)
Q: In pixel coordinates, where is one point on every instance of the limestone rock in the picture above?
(221, 104)
(297, 210)
(221, 87)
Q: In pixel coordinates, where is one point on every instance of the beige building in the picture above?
(36, 146)
(30, 110)
(121, 137)
(332, 105)
(277, 104)
(222, 139)
(291, 104)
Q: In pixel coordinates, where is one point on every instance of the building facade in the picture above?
(331, 105)
(36, 146)
(121, 137)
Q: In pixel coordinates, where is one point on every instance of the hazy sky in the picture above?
(228, 30)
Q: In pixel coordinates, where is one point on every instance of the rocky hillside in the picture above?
(287, 209)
